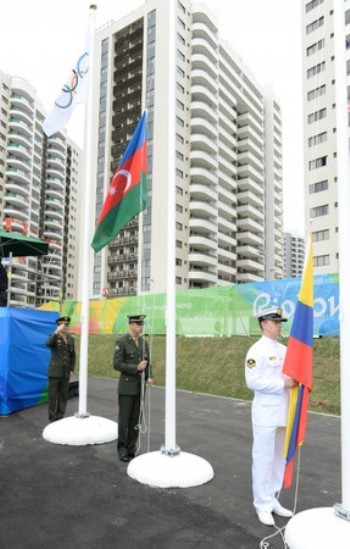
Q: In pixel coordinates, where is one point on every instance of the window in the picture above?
(179, 191)
(181, 55)
(317, 115)
(180, 88)
(179, 173)
(179, 208)
(313, 4)
(316, 69)
(182, 7)
(315, 25)
(179, 226)
(318, 163)
(318, 211)
(321, 260)
(320, 235)
(181, 23)
(179, 138)
(179, 244)
(181, 38)
(317, 139)
(180, 105)
(315, 47)
(180, 122)
(318, 187)
(180, 72)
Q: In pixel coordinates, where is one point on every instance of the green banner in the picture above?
(221, 311)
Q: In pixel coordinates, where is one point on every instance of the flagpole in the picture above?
(82, 428)
(343, 160)
(171, 467)
(170, 446)
(86, 251)
(325, 527)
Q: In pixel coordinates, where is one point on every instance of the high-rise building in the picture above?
(294, 255)
(320, 169)
(228, 155)
(39, 193)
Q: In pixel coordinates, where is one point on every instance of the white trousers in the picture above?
(268, 465)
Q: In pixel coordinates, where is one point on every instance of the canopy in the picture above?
(20, 245)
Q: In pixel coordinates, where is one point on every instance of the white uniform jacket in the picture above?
(263, 373)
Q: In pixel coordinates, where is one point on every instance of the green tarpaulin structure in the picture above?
(19, 245)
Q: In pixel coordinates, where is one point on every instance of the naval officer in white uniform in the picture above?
(263, 373)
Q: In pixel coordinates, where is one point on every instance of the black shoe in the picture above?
(131, 456)
(124, 457)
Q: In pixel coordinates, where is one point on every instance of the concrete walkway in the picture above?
(66, 497)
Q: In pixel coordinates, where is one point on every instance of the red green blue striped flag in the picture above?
(127, 194)
(298, 365)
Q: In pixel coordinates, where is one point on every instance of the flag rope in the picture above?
(264, 544)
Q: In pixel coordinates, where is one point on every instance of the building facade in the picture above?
(228, 155)
(294, 255)
(39, 196)
(320, 169)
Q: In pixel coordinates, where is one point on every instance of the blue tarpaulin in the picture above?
(24, 357)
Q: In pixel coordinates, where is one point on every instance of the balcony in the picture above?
(202, 277)
(17, 189)
(202, 192)
(202, 209)
(203, 243)
(200, 77)
(202, 175)
(18, 175)
(203, 159)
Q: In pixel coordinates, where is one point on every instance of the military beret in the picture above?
(271, 314)
(63, 319)
(136, 318)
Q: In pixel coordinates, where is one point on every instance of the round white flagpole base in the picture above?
(318, 528)
(170, 471)
(81, 431)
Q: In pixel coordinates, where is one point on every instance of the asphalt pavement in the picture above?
(74, 497)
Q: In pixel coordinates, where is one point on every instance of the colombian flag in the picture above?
(127, 194)
(298, 365)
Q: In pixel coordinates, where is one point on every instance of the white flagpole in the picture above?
(84, 429)
(170, 446)
(343, 171)
(171, 467)
(86, 252)
(325, 527)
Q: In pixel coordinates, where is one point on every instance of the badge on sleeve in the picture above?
(251, 363)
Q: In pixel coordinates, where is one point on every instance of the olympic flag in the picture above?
(298, 365)
(74, 91)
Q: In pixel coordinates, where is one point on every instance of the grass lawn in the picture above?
(216, 366)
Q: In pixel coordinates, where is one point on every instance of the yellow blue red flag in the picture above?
(298, 365)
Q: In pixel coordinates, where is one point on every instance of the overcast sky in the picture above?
(39, 40)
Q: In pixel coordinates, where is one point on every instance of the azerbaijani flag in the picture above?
(298, 365)
(127, 194)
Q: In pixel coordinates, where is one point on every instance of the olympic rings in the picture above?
(71, 90)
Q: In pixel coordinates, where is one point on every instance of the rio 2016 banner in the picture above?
(221, 311)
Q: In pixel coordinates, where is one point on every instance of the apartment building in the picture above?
(294, 255)
(321, 195)
(39, 196)
(228, 155)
